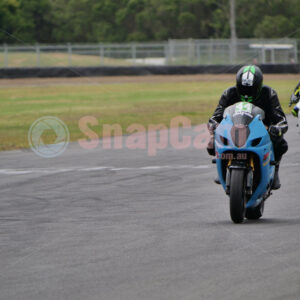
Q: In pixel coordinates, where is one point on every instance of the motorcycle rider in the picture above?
(249, 87)
(295, 98)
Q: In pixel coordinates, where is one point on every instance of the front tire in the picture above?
(237, 195)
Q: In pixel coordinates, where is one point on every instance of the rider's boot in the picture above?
(217, 180)
(276, 183)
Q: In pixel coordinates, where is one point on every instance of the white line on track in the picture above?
(94, 169)
(104, 168)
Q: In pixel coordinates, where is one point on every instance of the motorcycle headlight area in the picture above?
(239, 135)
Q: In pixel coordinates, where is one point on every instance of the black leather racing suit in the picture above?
(274, 115)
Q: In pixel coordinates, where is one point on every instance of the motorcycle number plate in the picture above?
(243, 107)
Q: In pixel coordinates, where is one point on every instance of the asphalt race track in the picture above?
(112, 225)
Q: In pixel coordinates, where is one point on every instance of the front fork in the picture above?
(249, 166)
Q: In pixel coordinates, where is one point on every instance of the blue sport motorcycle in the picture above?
(245, 160)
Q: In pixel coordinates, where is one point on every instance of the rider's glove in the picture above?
(212, 125)
(294, 99)
(211, 146)
(275, 130)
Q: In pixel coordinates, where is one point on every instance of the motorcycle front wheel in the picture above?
(237, 195)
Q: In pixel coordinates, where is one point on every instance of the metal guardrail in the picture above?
(173, 52)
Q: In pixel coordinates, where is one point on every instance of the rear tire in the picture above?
(256, 212)
(237, 195)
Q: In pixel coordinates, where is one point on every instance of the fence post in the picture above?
(198, 53)
(133, 53)
(211, 45)
(233, 51)
(191, 51)
(273, 56)
(167, 54)
(5, 56)
(296, 52)
(69, 55)
(230, 50)
(263, 52)
(101, 51)
(171, 52)
(37, 50)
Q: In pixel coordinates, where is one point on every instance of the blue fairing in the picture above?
(264, 150)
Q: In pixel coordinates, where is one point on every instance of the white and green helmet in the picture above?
(249, 81)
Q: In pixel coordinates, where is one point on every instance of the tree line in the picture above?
(62, 21)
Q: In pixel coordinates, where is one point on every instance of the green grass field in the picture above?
(126, 103)
(30, 59)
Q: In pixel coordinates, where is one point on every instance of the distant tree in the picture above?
(253, 16)
(187, 24)
(63, 21)
(273, 27)
(36, 21)
(9, 20)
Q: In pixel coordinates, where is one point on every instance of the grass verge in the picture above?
(123, 103)
(30, 59)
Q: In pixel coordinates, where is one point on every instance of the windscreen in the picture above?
(243, 113)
